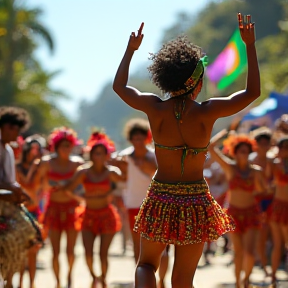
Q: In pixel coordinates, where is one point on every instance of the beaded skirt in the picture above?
(181, 214)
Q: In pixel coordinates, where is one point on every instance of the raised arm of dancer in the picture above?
(225, 162)
(222, 107)
(130, 95)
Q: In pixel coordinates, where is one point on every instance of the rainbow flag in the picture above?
(229, 64)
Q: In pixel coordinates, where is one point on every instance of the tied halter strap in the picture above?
(179, 107)
(185, 153)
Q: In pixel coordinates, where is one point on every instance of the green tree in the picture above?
(23, 82)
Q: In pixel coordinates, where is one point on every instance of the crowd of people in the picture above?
(172, 188)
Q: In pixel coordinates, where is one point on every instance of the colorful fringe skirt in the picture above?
(65, 216)
(245, 218)
(102, 221)
(181, 214)
(279, 212)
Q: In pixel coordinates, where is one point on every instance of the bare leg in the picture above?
(163, 266)
(261, 246)
(236, 239)
(88, 238)
(71, 241)
(277, 248)
(32, 257)
(106, 240)
(185, 264)
(249, 238)
(55, 237)
(149, 260)
(136, 245)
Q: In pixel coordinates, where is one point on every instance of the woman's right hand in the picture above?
(246, 28)
(136, 40)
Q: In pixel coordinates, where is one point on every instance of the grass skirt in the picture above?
(17, 235)
(181, 214)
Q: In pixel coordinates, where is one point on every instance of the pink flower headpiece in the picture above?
(100, 138)
(62, 133)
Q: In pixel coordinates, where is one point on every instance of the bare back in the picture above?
(195, 132)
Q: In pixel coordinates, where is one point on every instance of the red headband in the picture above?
(100, 138)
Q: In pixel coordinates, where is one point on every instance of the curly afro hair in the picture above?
(15, 116)
(174, 64)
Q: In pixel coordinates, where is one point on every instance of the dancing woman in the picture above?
(31, 150)
(279, 208)
(100, 216)
(245, 182)
(179, 208)
(62, 214)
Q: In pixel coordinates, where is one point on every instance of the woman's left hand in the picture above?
(136, 40)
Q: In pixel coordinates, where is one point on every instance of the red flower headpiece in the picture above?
(100, 138)
(62, 133)
(233, 140)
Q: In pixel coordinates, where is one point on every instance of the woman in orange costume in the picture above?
(62, 214)
(278, 217)
(245, 182)
(178, 207)
(31, 150)
(100, 216)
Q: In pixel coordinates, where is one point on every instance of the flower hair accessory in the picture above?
(62, 133)
(193, 80)
(100, 138)
(234, 140)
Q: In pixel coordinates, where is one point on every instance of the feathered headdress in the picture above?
(234, 140)
(100, 138)
(62, 133)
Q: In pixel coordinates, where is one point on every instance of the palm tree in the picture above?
(19, 29)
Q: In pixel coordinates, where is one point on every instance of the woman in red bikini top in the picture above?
(100, 217)
(61, 214)
(245, 181)
(96, 177)
(278, 169)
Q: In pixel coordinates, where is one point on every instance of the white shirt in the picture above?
(137, 183)
(7, 163)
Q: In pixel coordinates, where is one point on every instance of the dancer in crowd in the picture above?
(100, 216)
(179, 208)
(140, 163)
(245, 182)
(278, 168)
(31, 150)
(262, 137)
(62, 213)
(218, 185)
(13, 226)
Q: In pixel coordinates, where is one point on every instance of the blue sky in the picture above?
(91, 36)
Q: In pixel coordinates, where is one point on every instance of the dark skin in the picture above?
(163, 124)
(9, 133)
(244, 243)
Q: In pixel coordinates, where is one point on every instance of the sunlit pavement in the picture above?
(121, 270)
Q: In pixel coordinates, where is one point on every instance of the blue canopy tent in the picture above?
(267, 112)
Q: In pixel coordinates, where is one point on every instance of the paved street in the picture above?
(121, 270)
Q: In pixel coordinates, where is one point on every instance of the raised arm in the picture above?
(130, 95)
(225, 162)
(222, 107)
